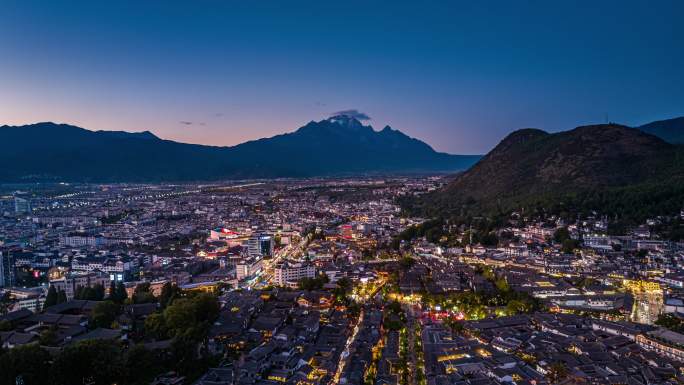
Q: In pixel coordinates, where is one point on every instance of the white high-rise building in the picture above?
(22, 206)
(248, 267)
(288, 273)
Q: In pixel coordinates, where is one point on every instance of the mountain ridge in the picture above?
(334, 146)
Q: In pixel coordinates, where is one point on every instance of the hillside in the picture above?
(613, 169)
(670, 130)
(335, 146)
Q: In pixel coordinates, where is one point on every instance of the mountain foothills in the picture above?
(611, 169)
(336, 146)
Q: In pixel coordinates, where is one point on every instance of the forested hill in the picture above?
(613, 169)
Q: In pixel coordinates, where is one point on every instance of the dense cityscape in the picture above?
(341, 192)
(324, 281)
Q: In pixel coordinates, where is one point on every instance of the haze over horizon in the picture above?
(457, 76)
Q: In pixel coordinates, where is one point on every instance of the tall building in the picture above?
(248, 268)
(260, 244)
(22, 206)
(6, 269)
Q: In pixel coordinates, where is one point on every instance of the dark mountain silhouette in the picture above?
(609, 168)
(337, 146)
(129, 135)
(669, 130)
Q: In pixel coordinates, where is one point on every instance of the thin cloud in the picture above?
(352, 113)
(185, 122)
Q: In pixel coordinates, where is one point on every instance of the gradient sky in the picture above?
(458, 75)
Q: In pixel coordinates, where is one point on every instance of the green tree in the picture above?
(5, 326)
(407, 263)
(312, 283)
(180, 316)
(184, 350)
(502, 285)
(142, 294)
(670, 321)
(94, 293)
(344, 283)
(455, 325)
(340, 292)
(30, 362)
(169, 292)
(561, 234)
(51, 298)
(490, 239)
(120, 294)
(516, 307)
(48, 337)
(5, 301)
(354, 309)
(104, 314)
(141, 365)
(569, 245)
(206, 307)
(487, 272)
(97, 362)
(86, 293)
(394, 307)
(78, 293)
(196, 312)
(61, 296)
(557, 372)
(97, 293)
(155, 326)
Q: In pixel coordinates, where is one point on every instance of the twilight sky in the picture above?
(458, 75)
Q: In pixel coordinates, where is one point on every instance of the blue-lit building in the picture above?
(261, 245)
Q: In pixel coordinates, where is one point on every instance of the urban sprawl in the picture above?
(325, 281)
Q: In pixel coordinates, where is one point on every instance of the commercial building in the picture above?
(71, 282)
(248, 267)
(288, 273)
(82, 240)
(22, 206)
(118, 269)
(260, 244)
(663, 342)
(6, 269)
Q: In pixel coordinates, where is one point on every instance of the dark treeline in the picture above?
(444, 231)
(181, 319)
(624, 207)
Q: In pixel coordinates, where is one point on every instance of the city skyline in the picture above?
(460, 77)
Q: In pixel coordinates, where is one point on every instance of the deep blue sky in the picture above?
(458, 75)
